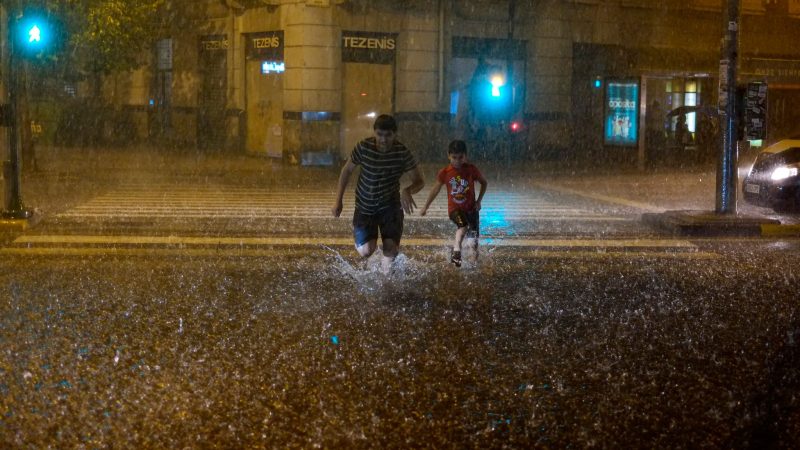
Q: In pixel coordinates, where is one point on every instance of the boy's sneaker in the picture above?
(455, 257)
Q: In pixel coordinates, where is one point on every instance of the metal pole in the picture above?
(14, 208)
(509, 141)
(727, 176)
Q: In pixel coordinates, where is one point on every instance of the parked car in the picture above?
(773, 180)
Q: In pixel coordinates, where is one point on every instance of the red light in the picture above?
(515, 126)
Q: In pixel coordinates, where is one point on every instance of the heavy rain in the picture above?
(399, 224)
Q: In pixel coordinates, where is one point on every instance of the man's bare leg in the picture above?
(390, 251)
(368, 248)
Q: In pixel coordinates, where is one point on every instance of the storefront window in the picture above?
(690, 99)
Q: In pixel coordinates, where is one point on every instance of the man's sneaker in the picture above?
(455, 257)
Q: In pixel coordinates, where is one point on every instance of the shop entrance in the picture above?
(681, 120)
(211, 130)
(264, 97)
(367, 91)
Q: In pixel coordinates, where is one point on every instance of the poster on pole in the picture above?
(755, 112)
(621, 124)
(723, 86)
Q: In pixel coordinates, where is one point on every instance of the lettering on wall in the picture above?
(368, 47)
(265, 45)
(384, 43)
(773, 69)
(213, 42)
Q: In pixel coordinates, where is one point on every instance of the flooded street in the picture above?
(230, 310)
(250, 224)
(310, 348)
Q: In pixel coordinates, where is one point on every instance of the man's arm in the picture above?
(417, 183)
(434, 192)
(344, 178)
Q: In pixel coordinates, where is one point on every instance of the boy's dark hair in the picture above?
(385, 122)
(457, 147)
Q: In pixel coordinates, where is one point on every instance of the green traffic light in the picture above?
(34, 34)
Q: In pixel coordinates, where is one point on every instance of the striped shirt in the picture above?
(378, 187)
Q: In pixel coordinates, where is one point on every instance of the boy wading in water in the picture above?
(380, 204)
(462, 206)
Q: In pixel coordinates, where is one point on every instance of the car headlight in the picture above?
(782, 173)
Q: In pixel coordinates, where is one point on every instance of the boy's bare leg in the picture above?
(472, 241)
(460, 233)
(455, 256)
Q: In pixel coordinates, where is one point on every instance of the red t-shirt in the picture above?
(460, 185)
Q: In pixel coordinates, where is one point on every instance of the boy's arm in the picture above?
(483, 183)
(344, 178)
(434, 192)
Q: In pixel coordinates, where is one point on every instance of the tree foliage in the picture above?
(103, 36)
(111, 35)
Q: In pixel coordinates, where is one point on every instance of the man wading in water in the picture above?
(380, 203)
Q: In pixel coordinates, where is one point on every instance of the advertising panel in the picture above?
(621, 124)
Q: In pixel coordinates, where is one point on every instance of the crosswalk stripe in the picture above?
(167, 201)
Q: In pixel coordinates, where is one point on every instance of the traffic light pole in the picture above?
(13, 207)
(727, 176)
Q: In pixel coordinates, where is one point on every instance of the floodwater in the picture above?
(315, 348)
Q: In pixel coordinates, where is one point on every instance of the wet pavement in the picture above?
(571, 331)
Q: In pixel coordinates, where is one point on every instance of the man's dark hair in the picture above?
(457, 147)
(385, 122)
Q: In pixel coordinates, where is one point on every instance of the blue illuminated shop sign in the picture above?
(621, 113)
(272, 67)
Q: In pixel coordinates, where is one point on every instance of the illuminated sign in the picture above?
(383, 43)
(621, 125)
(267, 45)
(273, 67)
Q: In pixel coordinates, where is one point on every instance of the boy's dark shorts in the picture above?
(389, 223)
(470, 219)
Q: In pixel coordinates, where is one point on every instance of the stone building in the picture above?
(302, 80)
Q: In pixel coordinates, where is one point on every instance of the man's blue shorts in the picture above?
(389, 224)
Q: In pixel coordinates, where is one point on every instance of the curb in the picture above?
(709, 223)
(18, 224)
(779, 230)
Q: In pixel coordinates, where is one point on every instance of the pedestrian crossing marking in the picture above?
(601, 197)
(168, 201)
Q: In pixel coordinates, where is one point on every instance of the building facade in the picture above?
(302, 80)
